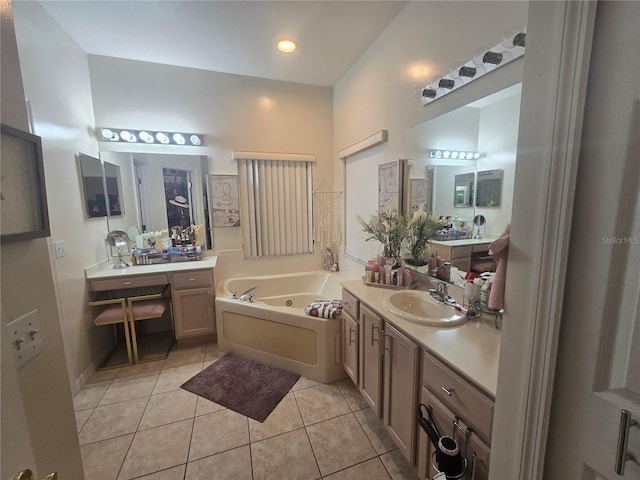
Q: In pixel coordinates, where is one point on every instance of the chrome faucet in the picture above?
(248, 295)
(441, 293)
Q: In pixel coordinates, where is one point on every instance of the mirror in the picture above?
(481, 188)
(98, 178)
(464, 189)
(93, 186)
(160, 191)
(113, 186)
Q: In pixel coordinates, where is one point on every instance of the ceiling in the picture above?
(231, 36)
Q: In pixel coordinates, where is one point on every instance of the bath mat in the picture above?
(244, 386)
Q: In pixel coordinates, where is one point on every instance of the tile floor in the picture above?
(137, 423)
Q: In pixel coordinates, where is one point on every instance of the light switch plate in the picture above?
(61, 250)
(26, 337)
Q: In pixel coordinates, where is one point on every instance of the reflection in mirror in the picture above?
(153, 198)
(464, 190)
(93, 186)
(489, 186)
(482, 187)
(113, 185)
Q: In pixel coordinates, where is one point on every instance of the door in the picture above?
(193, 311)
(350, 344)
(400, 390)
(597, 387)
(371, 359)
(16, 442)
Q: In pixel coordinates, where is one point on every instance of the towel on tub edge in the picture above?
(324, 308)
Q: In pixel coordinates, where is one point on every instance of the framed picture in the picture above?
(419, 195)
(23, 198)
(225, 204)
(391, 186)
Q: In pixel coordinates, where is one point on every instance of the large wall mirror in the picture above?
(102, 187)
(466, 188)
(161, 191)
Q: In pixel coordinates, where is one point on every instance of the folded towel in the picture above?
(324, 308)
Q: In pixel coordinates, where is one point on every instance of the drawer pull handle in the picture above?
(351, 340)
(622, 454)
(127, 283)
(448, 391)
(192, 279)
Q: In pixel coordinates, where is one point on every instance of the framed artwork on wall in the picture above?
(391, 186)
(23, 198)
(419, 195)
(225, 204)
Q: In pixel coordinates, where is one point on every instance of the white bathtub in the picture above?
(274, 328)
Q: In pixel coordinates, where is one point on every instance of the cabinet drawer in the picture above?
(471, 405)
(350, 305)
(480, 248)
(128, 282)
(458, 252)
(195, 279)
(477, 452)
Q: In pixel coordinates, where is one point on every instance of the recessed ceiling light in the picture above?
(286, 46)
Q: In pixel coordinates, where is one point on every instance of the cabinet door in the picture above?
(371, 359)
(194, 312)
(350, 346)
(475, 450)
(400, 390)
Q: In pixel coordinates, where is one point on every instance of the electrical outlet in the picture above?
(26, 338)
(61, 251)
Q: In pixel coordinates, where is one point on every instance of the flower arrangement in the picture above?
(422, 227)
(394, 231)
(390, 229)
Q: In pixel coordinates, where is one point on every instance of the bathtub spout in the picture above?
(248, 295)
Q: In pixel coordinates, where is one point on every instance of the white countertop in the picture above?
(464, 241)
(473, 349)
(110, 272)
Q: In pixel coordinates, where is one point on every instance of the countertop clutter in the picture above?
(473, 348)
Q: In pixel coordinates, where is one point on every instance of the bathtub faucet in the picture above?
(248, 295)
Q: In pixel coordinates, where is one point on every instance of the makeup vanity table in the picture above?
(181, 293)
(465, 254)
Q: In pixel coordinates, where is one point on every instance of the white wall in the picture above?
(28, 284)
(232, 112)
(382, 90)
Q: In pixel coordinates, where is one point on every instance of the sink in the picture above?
(419, 307)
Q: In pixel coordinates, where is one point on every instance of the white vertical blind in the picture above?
(275, 197)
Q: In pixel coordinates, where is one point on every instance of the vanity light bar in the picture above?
(149, 137)
(484, 61)
(454, 154)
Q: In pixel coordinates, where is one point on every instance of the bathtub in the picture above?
(274, 328)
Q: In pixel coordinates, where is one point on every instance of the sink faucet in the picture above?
(441, 293)
(248, 295)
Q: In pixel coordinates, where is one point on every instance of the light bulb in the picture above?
(107, 134)
(178, 138)
(476, 155)
(145, 137)
(286, 46)
(195, 140)
(162, 138)
(446, 154)
(127, 136)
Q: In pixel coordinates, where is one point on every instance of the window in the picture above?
(275, 203)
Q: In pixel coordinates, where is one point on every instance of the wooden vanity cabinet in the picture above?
(460, 409)
(459, 256)
(350, 336)
(371, 338)
(400, 390)
(193, 303)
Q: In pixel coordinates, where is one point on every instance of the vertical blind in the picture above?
(276, 206)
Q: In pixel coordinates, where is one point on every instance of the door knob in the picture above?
(27, 474)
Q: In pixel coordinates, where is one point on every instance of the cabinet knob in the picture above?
(448, 391)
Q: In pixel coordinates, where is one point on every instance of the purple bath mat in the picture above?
(242, 385)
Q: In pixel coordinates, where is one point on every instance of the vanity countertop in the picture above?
(473, 348)
(110, 272)
(463, 242)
